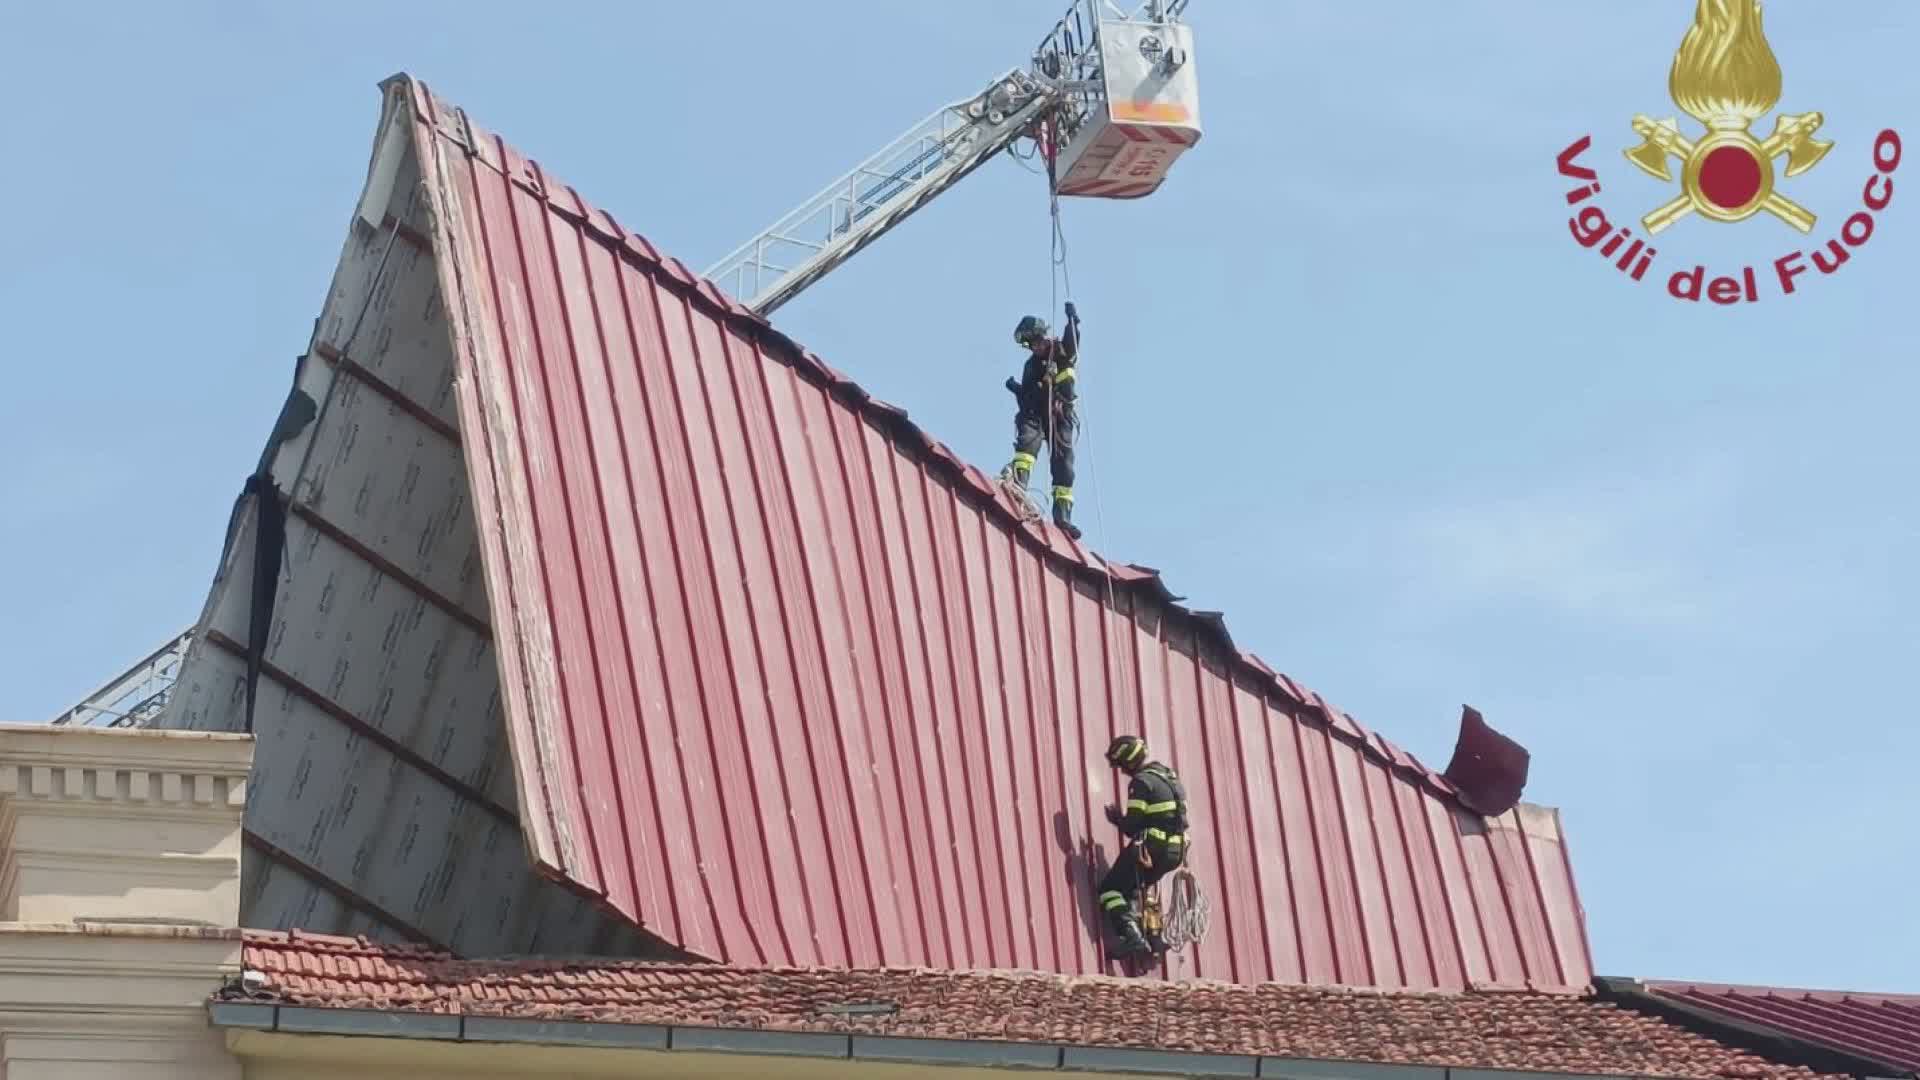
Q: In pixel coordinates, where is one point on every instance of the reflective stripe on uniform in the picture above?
(1161, 807)
(1063, 494)
(1111, 900)
(1063, 375)
(1173, 840)
(1136, 804)
(1024, 461)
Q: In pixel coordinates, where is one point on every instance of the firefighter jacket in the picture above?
(1156, 804)
(1050, 366)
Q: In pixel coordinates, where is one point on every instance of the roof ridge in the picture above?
(452, 123)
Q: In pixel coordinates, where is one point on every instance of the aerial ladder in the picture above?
(1109, 98)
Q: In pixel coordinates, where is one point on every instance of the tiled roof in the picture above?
(1510, 1030)
(1880, 1027)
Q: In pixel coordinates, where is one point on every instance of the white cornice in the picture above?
(121, 826)
(112, 765)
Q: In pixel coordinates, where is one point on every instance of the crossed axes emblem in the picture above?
(1792, 136)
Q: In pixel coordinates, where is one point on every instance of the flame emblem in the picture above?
(1726, 77)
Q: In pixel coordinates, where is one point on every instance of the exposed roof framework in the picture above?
(596, 603)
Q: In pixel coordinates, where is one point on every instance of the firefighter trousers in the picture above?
(1030, 430)
(1141, 863)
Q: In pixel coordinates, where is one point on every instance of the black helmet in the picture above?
(1031, 329)
(1126, 750)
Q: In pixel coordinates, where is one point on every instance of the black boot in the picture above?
(1132, 941)
(1063, 517)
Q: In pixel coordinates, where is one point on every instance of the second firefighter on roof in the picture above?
(1047, 411)
(1155, 825)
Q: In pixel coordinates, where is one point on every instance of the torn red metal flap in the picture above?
(1488, 769)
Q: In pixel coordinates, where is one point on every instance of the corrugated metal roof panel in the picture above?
(1882, 1027)
(788, 683)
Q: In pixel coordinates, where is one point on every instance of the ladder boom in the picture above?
(881, 192)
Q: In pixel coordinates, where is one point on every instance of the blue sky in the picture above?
(1350, 379)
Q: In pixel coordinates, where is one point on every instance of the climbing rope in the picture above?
(1184, 919)
(1187, 915)
(1056, 257)
(1062, 279)
(1188, 911)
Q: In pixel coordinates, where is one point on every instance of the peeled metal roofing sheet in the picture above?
(1882, 1027)
(384, 797)
(789, 683)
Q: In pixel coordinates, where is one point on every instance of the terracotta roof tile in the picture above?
(1507, 1030)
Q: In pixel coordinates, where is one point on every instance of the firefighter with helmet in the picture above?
(1155, 825)
(1047, 410)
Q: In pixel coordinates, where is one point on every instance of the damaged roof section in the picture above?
(594, 602)
(791, 683)
(349, 628)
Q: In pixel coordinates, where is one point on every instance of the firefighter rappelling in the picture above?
(1155, 826)
(1046, 410)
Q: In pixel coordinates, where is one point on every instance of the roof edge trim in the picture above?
(544, 832)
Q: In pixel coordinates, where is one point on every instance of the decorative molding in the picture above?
(180, 768)
(115, 825)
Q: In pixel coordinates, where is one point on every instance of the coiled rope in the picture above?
(1187, 914)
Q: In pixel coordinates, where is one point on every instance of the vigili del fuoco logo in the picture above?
(1726, 77)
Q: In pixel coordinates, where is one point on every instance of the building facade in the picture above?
(119, 896)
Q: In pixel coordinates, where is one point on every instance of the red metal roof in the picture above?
(1491, 1030)
(1882, 1027)
(789, 683)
